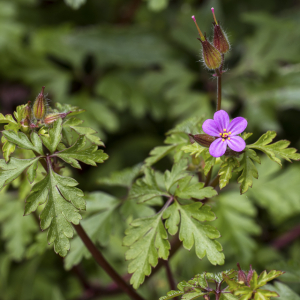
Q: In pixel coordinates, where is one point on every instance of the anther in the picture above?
(228, 139)
(223, 140)
(224, 129)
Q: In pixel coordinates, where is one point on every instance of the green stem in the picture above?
(207, 180)
(219, 84)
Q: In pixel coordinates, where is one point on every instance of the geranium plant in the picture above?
(175, 207)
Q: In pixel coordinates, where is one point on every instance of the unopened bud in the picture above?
(50, 118)
(39, 106)
(220, 39)
(206, 297)
(203, 139)
(25, 125)
(241, 275)
(250, 275)
(211, 56)
(26, 112)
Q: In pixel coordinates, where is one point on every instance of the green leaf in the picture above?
(283, 291)
(171, 295)
(157, 154)
(75, 4)
(193, 231)
(177, 172)
(13, 169)
(265, 277)
(264, 295)
(148, 241)
(194, 149)
(246, 292)
(54, 136)
(227, 296)
(274, 186)
(7, 149)
(121, 178)
(63, 201)
(73, 125)
(9, 119)
(248, 169)
(31, 172)
(146, 188)
(192, 125)
(16, 230)
(89, 156)
(226, 170)
(98, 226)
(186, 189)
(279, 148)
(22, 141)
(236, 223)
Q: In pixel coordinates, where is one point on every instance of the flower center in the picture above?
(225, 135)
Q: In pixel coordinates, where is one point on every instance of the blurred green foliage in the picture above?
(133, 66)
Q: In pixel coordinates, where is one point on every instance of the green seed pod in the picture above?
(212, 57)
(39, 106)
(26, 112)
(220, 39)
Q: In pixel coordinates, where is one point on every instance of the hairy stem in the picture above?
(102, 262)
(219, 84)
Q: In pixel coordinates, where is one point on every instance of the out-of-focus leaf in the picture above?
(17, 230)
(121, 178)
(75, 4)
(236, 224)
(98, 226)
(284, 292)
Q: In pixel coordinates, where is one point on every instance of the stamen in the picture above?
(223, 140)
(229, 132)
(228, 139)
(220, 133)
(224, 129)
(200, 33)
(213, 12)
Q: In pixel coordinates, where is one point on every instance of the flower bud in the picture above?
(249, 275)
(50, 118)
(26, 112)
(39, 106)
(203, 139)
(220, 39)
(25, 125)
(211, 56)
(241, 275)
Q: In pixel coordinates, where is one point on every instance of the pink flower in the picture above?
(225, 132)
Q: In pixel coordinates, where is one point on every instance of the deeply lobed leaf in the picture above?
(193, 231)
(63, 201)
(148, 241)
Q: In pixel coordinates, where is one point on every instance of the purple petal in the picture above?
(210, 127)
(237, 125)
(222, 119)
(217, 148)
(236, 143)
